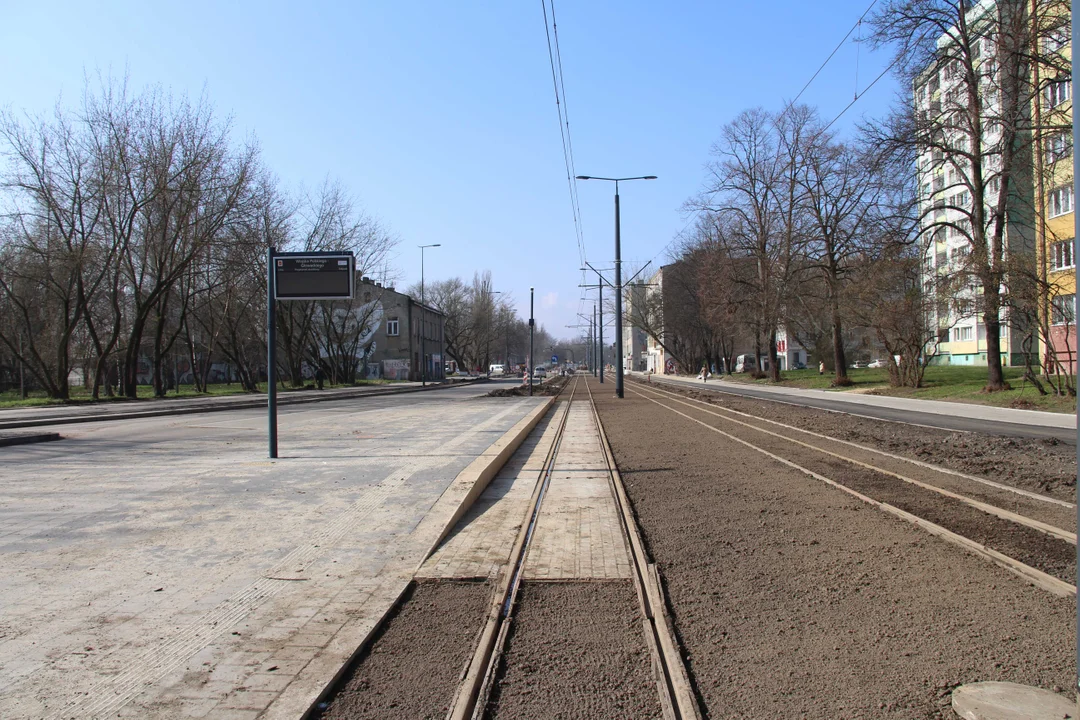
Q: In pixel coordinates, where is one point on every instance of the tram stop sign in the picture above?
(313, 276)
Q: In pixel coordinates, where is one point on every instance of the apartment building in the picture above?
(1052, 112)
(948, 172)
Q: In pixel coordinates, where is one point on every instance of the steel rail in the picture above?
(996, 511)
(677, 696)
(470, 700)
(1030, 574)
(867, 448)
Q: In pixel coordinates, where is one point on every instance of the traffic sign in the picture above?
(313, 276)
(554, 358)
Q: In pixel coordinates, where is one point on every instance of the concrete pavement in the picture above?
(163, 567)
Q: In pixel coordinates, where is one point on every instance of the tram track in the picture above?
(480, 684)
(1029, 534)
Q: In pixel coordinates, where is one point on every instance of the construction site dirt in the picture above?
(791, 598)
(1046, 466)
(412, 667)
(577, 650)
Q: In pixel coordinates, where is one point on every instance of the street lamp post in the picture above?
(618, 278)
(423, 334)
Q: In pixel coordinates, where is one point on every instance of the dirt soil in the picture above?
(1046, 466)
(412, 668)
(577, 650)
(792, 599)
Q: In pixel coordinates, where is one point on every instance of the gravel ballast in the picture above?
(576, 650)
(792, 599)
(412, 668)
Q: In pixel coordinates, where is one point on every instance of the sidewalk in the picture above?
(1034, 418)
(158, 569)
(13, 418)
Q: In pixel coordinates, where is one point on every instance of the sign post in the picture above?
(299, 276)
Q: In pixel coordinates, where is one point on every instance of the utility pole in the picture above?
(601, 281)
(532, 324)
(618, 278)
(618, 303)
(596, 344)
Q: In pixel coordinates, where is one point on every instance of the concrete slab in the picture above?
(578, 533)
(1010, 701)
(165, 568)
(480, 544)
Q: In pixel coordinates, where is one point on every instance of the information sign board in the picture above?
(313, 276)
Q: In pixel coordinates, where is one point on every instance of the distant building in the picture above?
(397, 345)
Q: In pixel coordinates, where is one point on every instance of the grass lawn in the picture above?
(80, 395)
(941, 382)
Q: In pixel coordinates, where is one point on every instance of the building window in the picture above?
(963, 334)
(392, 327)
(1062, 309)
(960, 199)
(1061, 255)
(1058, 147)
(1061, 201)
(1058, 92)
(1056, 39)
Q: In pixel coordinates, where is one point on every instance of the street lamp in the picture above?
(423, 307)
(618, 277)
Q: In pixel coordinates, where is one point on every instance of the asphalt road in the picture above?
(927, 419)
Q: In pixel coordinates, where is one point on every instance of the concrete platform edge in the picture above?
(28, 439)
(239, 405)
(477, 475)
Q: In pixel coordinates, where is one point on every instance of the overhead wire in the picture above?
(697, 214)
(559, 84)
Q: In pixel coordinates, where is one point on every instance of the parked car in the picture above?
(798, 365)
(876, 364)
(858, 365)
(497, 370)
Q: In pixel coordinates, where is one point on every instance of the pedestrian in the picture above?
(320, 376)
(821, 367)
(704, 373)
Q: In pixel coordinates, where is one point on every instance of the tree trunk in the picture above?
(774, 365)
(839, 358)
(995, 381)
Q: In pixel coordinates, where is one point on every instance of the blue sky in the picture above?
(440, 117)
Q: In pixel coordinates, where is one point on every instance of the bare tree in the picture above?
(971, 65)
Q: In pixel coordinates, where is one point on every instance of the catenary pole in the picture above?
(618, 302)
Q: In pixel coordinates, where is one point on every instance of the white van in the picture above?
(745, 363)
(497, 370)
